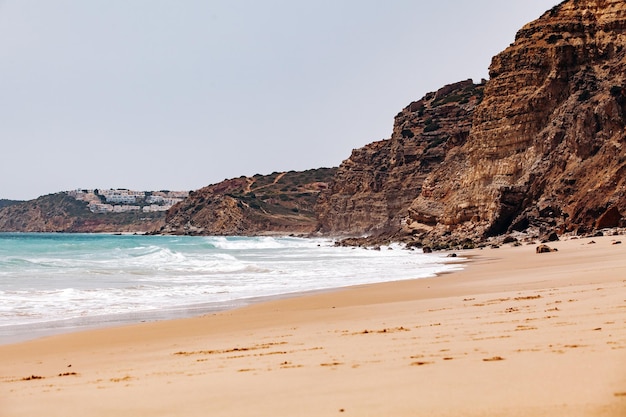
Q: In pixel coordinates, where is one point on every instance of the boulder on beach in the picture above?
(545, 249)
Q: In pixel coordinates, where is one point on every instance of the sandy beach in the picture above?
(514, 334)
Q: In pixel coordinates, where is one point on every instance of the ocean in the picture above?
(54, 283)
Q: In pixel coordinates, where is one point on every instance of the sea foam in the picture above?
(56, 281)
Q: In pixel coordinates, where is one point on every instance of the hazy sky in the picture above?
(179, 94)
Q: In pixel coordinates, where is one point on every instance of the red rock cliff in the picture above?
(547, 145)
(373, 189)
(541, 147)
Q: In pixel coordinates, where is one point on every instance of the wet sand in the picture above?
(514, 334)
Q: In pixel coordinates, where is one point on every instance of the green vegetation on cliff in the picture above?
(6, 203)
(282, 202)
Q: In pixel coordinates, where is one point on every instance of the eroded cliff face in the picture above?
(373, 189)
(547, 145)
(279, 203)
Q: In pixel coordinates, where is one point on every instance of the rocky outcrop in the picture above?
(546, 150)
(280, 203)
(545, 249)
(539, 148)
(373, 189)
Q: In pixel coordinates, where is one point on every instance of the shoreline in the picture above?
(207, 292)
(513, 333)
(33, 331)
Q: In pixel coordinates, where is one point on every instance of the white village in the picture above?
(122, 200)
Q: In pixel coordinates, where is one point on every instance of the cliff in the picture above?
(280, 203)
(373, 189)
(541, 152)
(61, 213)
(546, 148)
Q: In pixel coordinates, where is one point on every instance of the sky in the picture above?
(180, 94)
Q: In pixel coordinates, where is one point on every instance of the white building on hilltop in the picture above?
(123, 200)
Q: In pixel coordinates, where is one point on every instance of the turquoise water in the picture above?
(52, 283)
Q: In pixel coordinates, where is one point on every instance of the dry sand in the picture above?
(514, 334)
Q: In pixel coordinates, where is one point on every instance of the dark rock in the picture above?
(545, 249)
(610, 218)
(551, 237)
(509, 239)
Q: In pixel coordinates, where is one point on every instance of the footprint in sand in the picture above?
(421, 363)
(493, 359)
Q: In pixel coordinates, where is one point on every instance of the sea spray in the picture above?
(52, 282)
